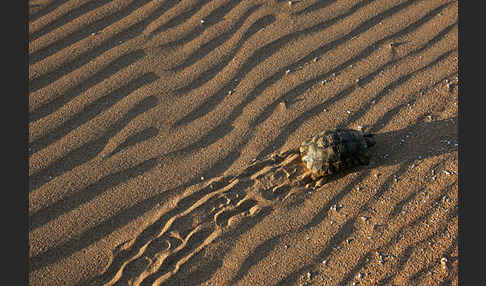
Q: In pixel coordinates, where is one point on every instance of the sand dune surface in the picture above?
(164, 135)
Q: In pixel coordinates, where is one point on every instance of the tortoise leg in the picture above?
(321, 182)
(306, 175)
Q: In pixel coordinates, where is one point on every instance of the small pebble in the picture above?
(325, 261)
(287, 71)
(443, 262)
(325, 110)
(373, 101)
(202, 178)
(309, 275)
(447, 172)
(316, 59)
(349, 112)
(202, 21)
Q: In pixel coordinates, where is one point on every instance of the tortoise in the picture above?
(332, 151)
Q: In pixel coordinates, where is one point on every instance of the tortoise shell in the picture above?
(335, 150)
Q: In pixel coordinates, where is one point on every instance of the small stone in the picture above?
(373, 101)
(202, 21)
(202, 178)
(443, 262)
(287, 71)
(359, 275)
(316, 59)
(290, 2)
(447, 172)
(349, 112)
(349, 240)
(309, 275)
(325, 261)
(325, 110)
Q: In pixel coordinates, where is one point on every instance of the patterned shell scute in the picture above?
(334, 150)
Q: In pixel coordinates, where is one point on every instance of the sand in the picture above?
(162, 139)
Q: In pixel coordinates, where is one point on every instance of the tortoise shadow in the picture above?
(420, 140)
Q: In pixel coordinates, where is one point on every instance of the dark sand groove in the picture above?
(209, 74)
(90, 111)
(88, 150)
(43, 9)
(83, 33)
(163, 140)
(67, 17)
(67, 204)
(213, 44)
(111, 69)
